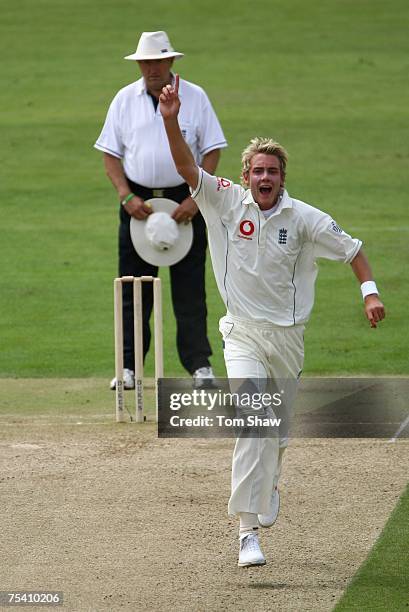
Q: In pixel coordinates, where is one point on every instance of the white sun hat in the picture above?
(152, 46)
(158, 239)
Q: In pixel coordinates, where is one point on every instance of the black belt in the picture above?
(178, 193)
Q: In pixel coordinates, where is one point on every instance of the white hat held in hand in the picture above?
(158, 239)
(152, 46)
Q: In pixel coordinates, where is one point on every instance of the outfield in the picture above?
(330, 84)
(326, 78)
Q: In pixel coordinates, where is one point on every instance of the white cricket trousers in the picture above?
(259, 351)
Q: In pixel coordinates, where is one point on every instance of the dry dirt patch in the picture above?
(120, 520)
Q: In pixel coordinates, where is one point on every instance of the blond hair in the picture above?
(267, 146)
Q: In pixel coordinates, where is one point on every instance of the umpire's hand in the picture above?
(138, 208)
(185, 212)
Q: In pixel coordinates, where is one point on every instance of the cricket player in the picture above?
(264, 245)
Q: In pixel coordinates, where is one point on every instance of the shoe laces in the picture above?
(250, 542)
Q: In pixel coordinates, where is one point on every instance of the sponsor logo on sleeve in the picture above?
(222, 183)
(336, 228)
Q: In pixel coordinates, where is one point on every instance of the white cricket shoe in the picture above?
(203, 378)
(250, 552)
(266, 520)
(129, 380)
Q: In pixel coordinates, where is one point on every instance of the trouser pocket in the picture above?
(225, 327)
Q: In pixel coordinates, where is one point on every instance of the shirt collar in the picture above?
(141, 87)
(284, 201)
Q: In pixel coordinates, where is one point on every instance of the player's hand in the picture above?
(374, 309)
(138, 208)
(169, 102)
(185, 212)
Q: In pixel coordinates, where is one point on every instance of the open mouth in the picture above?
(265, 190)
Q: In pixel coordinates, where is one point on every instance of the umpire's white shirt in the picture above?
(265, 268)
(134, 132)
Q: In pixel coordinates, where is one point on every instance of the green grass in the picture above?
(382, 583)
(43, 402)
(326, 78)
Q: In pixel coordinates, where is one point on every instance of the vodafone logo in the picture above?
(247, 227)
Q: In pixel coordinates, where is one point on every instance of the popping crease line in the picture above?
(402, 426)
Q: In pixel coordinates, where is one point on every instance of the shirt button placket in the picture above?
(262, 237)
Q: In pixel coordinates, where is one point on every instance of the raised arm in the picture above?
(169, 104)
(374, 309)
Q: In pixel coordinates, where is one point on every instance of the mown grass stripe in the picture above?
(382, 582)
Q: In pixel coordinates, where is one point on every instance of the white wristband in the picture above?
(369, 287)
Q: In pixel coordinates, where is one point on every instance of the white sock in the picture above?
(248, 523)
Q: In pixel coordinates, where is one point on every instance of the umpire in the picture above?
(138, 162)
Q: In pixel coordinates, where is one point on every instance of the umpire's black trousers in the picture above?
(187, 279)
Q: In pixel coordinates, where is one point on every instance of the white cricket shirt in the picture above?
(265, 269)
(134, 132)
